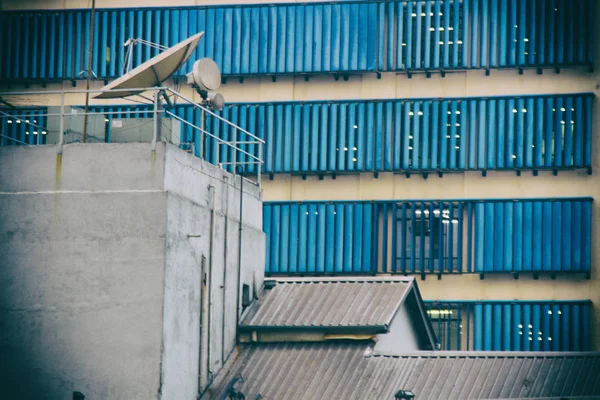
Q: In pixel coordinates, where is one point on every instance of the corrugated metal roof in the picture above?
(343, 370)
(327, 302)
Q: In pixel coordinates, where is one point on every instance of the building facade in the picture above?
(451, 140)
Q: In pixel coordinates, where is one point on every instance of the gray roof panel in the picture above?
(350, 370)
(327, 303)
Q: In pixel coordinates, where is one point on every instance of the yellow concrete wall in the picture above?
(390, 186)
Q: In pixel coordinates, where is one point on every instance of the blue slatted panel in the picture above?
(541, 132)
(257, 39)
(515, 325)
(541, 235)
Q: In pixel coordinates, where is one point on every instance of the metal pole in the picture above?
(258, 168)
(156, 94)
(89, 70)
(202, 117)
(234, 150)
(61, 134)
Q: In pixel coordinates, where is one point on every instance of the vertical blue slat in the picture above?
(313, 242)
(332, 134)
(443, 135)
(334, 55)
(491, 135)
(409, 38)
(329, 219)
(479, 237)
(478, 326)
(342, 132)
(537, 236)
(403, 239)
(529, 132)
(528, 233)
(284, 262)
(497, 327)
(484, 39)
(539, 132)
(418, 39)
(378, 148)
(413, 226)
(318, 37)
(388, 136)
(368, 232)
(324, 133)
(303, 229)
(474, 33)
(453, 133)
(434, 134)
(566, 228)
(384, 238)
(587, 132)
(508, 327)
(488, 334)
(519, 133)
(394, 225)
(275, 238)
(425, 136)
(586, 235)
(481, 143)
(472, 134)
(370, 120)
(267, 229)
(446, 40)
(416, 133)
(314, 137)
(568, 133)
(546, 233)
(349, 238)
(535, 316)
(578, 117)
(340, 235)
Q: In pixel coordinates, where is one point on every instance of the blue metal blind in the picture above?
(307, 38)
(495, 133)
(511, 325)
(428, 237)
(417, 135)
(23, 125)
(426, 35)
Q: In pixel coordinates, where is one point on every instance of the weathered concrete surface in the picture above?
(100, 259)
(190, 205)
(81, 274)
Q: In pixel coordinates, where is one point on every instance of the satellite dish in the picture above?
(205, 75)
(154, 71)
(215, 100)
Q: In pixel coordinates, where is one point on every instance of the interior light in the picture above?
(35, 132)
(432, 29)
(458, 137)
(355, 126)
(27, 120)
(554, 110)
(514, 110)
(403, 44)
(105, 119)
(410, 147)
(530, 326)
(420, 112)
(18, 121)
(27, 133)
(423, 15)
(550, 312)
(354, 148)
(457, 124)
(413, 15)
(572, 109)
(445, 221)
(530, 339)
(43, 132)
(572, 122)
(411, 113)
(540, 338)
(450, 28)
(410, 136)
(449, 112)
(458, 112)
(441, 28)
(441, 42)
(436, 212)
(562, 109)
(513, 156)
(524, 110)
(10, 121)
(516, 26)
(447, 136)
(549, 338)
(560, 312)
(457, 147)
(562, 122)
(526, 40)
(455, 221)
(459, 42)
(417, 212)
(520, 326)
(354, 159)
(345, 149)
(520, 332)
(426, 212)
(307, 213)
(34, 121)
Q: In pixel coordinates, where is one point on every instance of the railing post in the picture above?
(61, 135)
(259, 163)
(202, 116)
(234, 150)
(154, 134)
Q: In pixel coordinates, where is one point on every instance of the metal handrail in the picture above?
(155, 111)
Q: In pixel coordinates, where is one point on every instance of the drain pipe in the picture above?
(203, 367)
(239, 288)
(207, 316)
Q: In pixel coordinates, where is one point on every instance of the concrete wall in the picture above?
(82, 246)
(100, 284)
(190, 207)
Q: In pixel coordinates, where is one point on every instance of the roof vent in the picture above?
(404, 395)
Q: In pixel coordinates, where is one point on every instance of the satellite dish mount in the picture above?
(205, 78)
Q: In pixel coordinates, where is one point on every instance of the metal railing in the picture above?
(19, 126)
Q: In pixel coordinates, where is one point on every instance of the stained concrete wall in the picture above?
(190, 206)
(82, 247)
(99, 280)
